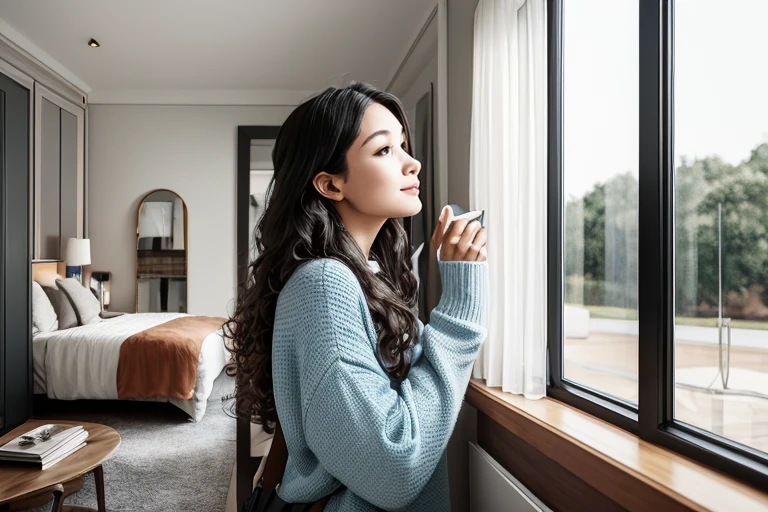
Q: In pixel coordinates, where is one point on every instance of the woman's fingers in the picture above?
(459, 239)
(477, 251)
(451, 238)
(442, 221)
(450, 246)
(468, 237)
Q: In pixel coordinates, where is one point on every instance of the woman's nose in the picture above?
(411, 166)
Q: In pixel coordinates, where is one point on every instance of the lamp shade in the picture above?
(78, 252)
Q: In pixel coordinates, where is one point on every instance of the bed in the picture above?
(84, 362)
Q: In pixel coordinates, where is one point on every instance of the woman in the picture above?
(367, 396)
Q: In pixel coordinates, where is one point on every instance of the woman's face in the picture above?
(382, 178)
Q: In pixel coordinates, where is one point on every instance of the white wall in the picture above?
(417, 71)
(461, 32)
(460, 36)
(191, 150)
(412, 82)
(419, 88)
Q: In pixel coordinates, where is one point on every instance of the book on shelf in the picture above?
(44, 446)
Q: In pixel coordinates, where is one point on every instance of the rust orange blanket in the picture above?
(163, 360)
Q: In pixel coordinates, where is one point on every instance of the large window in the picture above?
(600, 172)
(721, 218)
(658, 127)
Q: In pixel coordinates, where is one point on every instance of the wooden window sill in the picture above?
(631, 472)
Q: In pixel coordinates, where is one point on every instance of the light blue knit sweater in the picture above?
(348, 428)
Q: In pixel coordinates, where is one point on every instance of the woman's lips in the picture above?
(414, 191)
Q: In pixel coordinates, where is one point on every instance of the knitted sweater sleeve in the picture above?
(383, 443)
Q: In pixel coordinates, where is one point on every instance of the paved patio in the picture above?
(607, 361)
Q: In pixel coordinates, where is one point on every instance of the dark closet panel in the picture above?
(15, 269)
(50, 183)
(68, 180)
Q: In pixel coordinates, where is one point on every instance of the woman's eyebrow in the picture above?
(376, 134)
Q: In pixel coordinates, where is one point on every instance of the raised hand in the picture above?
(459, 239)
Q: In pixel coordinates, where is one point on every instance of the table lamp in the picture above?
(78, 254)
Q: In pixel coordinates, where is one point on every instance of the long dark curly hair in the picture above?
(298, 225)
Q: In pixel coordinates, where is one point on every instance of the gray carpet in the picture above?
(165, 461)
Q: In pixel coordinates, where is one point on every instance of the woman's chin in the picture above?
(413, 210)
(406, 209)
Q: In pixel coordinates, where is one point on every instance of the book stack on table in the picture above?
(44, 446)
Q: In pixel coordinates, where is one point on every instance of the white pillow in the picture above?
(86, 305)
(44, 317)
(62, 306)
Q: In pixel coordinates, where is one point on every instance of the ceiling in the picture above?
(205, 45)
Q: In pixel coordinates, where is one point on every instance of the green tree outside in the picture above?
(601, 239)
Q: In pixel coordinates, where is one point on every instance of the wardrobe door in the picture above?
(49, 207)
(59, 174)
(71, 184)
(15, 278)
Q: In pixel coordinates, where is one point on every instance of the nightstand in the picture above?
(110, 314)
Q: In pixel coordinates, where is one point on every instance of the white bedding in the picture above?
(82, 362)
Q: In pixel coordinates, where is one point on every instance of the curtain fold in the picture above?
(508, 178)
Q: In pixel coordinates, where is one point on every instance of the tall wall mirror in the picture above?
(254, 173)
(161, 253)
(259, 174)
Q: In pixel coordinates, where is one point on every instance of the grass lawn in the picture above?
(613, 313)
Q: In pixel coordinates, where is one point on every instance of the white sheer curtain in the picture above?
(508, 178)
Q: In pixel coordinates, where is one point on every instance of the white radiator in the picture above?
(492, 488)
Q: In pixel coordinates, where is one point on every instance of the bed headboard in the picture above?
(46, 273)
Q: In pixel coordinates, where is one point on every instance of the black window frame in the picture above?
(652, 419)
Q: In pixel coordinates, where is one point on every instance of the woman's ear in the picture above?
(329, 186)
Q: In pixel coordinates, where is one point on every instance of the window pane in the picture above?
(721, 218)
(600, 168)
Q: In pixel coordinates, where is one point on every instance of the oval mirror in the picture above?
(161, 253)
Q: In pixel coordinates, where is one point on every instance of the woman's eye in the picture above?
(384, 151)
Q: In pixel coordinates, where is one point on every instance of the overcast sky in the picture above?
(721, 84)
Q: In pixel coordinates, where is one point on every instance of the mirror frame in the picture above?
(186, 243)
(243, 238)
(246, 465)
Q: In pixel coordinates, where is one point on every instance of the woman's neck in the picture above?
(363, 228)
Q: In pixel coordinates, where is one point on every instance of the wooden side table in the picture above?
(25, 487)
